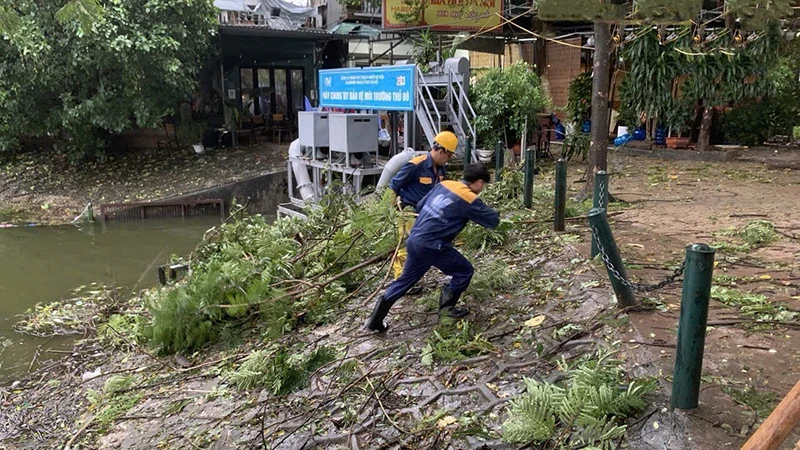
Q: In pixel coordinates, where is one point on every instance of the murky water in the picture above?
(44, 264)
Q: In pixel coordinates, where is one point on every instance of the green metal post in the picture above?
(599, 226)
(561, 195)
(692, 325)
(528, 187)
(468, 151)
(600, 199)
(498, 161)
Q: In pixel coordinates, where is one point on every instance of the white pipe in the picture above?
(300, 172)
(394, 165)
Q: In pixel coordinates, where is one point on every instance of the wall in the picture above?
(254, 51)
(262, 193)
(563, 64)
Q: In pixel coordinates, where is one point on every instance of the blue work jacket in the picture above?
(444, 212)
(416, 178)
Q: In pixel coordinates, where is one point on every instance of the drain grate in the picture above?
(147, 210)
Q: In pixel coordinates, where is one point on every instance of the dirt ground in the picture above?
(667, 205)
(676, 203)
(46, 188)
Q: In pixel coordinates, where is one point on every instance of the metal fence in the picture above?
(147, 210)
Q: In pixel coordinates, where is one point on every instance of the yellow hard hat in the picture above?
(447, 140)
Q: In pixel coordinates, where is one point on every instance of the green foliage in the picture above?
(591, 406)
(425, 48)
(753, 121)
(577, 144)
(504, 99)
(732, 73)
(628, 113)
(762, 403)
(651, 69)
(65, 317)
(109, 403)
(453, 341)
(492, 277)
(759, 14)
(756, 306)
(279, 370)
(716, 73)
(755, 234)
(579, 98)
(476, 237)
(668, 10)
(678, 114)
(85, 12)
(120, 331)
(505, 195)
(758, 233)
(250, 268)
(79, 73)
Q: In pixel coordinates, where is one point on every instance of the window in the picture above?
(275, 12)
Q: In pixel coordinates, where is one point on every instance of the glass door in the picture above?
(281, 92)
(265, 94)
(298, 91)
(246, 87)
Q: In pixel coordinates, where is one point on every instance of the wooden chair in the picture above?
(544, 135)
(259, 124)
(170, 140)
(279, 127)
(245, 131)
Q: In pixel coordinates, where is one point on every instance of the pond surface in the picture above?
(45, 264)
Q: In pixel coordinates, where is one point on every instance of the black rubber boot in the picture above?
(415, 290)
(375, 322)
(447, 305)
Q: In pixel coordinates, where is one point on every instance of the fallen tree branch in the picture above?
(299, 292)
(722, 323)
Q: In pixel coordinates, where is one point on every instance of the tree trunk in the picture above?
(705, 129)
(598, 149)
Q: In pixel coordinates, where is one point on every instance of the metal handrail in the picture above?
(421, 79)
(461, 104)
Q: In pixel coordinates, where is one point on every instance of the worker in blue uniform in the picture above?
(414, 180)
(418, 176)
(443, 213)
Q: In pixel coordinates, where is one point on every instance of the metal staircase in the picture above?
(442, 104)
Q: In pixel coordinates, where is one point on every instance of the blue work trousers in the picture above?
(420, 258)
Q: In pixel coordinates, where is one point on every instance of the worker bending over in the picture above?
(414, 180)
(443, 213)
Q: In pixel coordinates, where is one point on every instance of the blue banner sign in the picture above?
(386, 88)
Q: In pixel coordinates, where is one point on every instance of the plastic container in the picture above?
(560, 132)
(622, 140)
(586, 127)
(639, 134)
(661, 136)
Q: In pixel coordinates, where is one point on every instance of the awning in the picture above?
(355, 30)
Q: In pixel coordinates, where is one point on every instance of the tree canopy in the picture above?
(79, 71)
